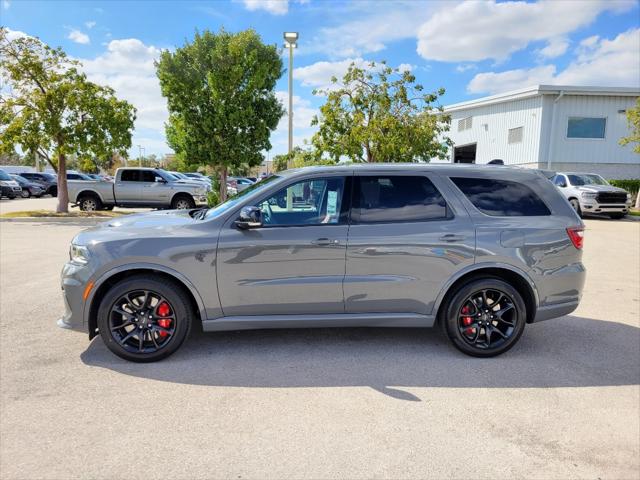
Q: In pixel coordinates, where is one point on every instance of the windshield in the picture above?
(591, 179)
(223, 207)
(19, 179)
(4, 176)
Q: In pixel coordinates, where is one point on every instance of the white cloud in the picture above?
(127, 66)
(275, 7)
(463, 67)
(406, 67)
(79, 37)
(599, 62)
(474, 31)
(491, 82)
(6, 4)
(318, 75)
(303, 112)
(555, 47)
(14, 34)
(377, 24)
(90, 24)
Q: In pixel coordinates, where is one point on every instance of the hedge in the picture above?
(632, 186)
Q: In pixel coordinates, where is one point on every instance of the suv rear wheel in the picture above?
(142, 319)
(485, 317)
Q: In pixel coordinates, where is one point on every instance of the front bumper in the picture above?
(201, 200)
(74, 279)
(591, 206)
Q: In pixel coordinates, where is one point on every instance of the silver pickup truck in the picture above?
(137, 187)
(590, 193)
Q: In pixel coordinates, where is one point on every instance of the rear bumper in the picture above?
(548, 312)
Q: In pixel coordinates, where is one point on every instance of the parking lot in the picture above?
(334, 403)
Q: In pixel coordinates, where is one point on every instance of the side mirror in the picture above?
(250, 217)
(160, 180)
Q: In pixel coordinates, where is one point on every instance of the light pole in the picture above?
(290, 39)
(140, 149)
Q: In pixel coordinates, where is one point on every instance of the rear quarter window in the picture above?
(501, 198)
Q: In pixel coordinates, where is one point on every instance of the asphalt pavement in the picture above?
(330, 403)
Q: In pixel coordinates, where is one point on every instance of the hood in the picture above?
(160, 218)
(600, 188)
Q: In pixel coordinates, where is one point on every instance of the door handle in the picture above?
(451, 237)
(326, 241)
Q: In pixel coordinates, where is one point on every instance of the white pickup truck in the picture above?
(137, 187)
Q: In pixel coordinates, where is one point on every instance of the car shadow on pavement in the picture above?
(567, 352)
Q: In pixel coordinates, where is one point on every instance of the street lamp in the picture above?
(290, 39)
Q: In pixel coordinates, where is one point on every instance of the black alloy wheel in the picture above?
(144, 318)
(142, 321)
(485, 317)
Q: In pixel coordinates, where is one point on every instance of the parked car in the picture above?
(187, 178)
(48, 181)
(478, 251)
(239, 183)
(8, 186)
(29, 189)
(78, 176)
(97, 176)
(590, 193)
(137, 187)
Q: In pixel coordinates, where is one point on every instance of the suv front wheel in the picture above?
(143, 319)
(485, 317)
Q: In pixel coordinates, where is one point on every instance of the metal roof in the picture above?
(544, 90)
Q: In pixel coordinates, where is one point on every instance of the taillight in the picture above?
(576, 234)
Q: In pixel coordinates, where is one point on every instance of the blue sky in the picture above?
(472, 48)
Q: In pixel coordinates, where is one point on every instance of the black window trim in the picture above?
(354, 217)
(450, 178)
(345, 208)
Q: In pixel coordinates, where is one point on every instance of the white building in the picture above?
(560, 128)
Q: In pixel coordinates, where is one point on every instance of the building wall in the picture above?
(560, 149)
(490, 129)
(610, 171)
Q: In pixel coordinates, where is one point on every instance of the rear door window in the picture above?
(130, 176)
(501, 197)
(396, 198)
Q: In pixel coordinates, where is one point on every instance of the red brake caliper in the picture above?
(164, 310)
(467, 320)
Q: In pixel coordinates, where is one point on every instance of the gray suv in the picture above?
(477, 251)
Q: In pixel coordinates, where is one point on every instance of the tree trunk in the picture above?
(63, 193)
(223, 184)
(367, 150)
(638, 199)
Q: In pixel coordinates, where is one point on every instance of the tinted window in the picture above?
(130, 176)
(501, 197)
(581, 180)
(149, 176)
(397, 199)
(585, 127)
(73, 176)
(309, 202)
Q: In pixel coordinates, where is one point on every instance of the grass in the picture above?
(48, 213)
(635, 213)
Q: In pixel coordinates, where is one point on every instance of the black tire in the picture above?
(53, 191)
(89, 203)
(169, 290)
(12, 197)
(576, 206)
(451, 319)
(182, 201)
(616, 216)
(26, 193)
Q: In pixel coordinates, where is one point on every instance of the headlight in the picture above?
(589, 194)
(79, 254)
(628, 197)
(4, 184)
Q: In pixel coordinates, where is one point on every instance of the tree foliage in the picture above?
(633, 120)
(299, 158)
(379, 114)
(49, 107)
(221, 99)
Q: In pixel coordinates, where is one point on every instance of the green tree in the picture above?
(51, 108)
(379, 114)
(299, 158)
(633, 120)
(221, 99)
